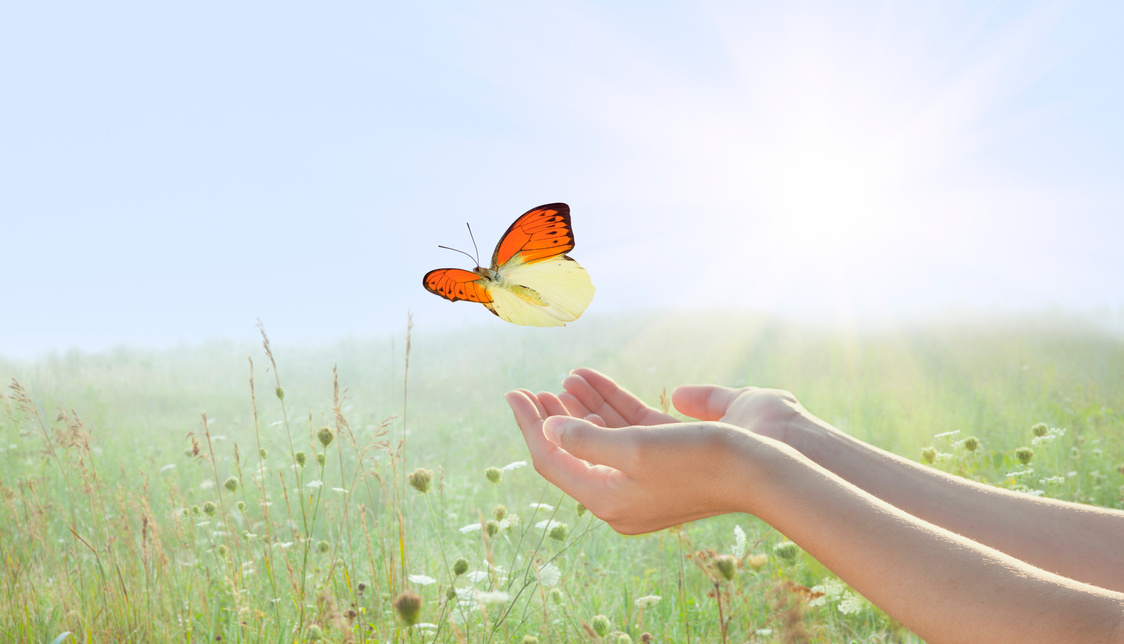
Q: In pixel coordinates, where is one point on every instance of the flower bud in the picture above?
(408, 607)
(1024, 454)
(1040, 429)
(757, 562)
(726, 565)
(559, 531)
(494, 474)
(971, 443)
(231, 484)
(499, 512)
(325, 435)
(460, 566)
(300, 458)
(280, 393)
(786, 550)
(209, 508)
(600, 625)
(420, 479)
(929, 454)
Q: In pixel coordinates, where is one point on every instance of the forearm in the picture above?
(1076, 541)
(945, 587)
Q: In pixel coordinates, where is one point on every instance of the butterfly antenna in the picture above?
(473, 243)
(461, 252)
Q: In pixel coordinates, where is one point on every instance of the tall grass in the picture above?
(374, 491)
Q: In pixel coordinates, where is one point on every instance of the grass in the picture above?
(259, 494)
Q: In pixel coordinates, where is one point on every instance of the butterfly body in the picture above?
(531, 280)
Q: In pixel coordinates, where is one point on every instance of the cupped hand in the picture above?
(637, 478)
(594, 396)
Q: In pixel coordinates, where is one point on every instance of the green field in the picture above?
(154, 496)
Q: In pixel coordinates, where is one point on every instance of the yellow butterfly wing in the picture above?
(549, 292)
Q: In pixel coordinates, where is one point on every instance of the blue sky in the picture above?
(173, 172)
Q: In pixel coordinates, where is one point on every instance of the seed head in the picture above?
(581, 509)
(300, 458)
(450, 593)
(280, 393)
(325, 435)
(419, 479)
(241, 505)
(1040, 429)
(492, 527)
(529, 639)
(758, 561)
(971, 443)
(314, 633)
(726, 565)
(209, 508)
(408, 607)
(929, 454)
(494, 474)
(460, 566)
(322, 547)
(1024, 454)
(231, 484)
(600, 625)
(559, 531)
(262, 454)
(221, 550)
(320, 459)
(499, 512)
(786, 550)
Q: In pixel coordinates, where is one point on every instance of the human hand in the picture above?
(771, 413)
(636, 478)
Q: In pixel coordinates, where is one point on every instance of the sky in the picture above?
(174, 172)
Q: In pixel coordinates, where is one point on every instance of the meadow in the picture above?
(378, 490)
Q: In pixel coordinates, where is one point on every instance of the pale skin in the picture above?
(951, 559)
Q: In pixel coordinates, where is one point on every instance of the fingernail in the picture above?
(552, 428)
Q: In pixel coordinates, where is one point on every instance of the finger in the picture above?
(552, 405)
(705, 402)
(602, 396)
(615, 448)
(555, 464)
(578, 410)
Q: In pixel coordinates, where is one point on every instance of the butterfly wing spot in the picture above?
(457, 284)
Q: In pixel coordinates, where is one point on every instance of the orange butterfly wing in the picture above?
(540, 233)
(457, 284)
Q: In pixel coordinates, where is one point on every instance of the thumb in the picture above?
(585, 440)
(705, 402)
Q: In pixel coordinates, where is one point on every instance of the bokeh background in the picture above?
(171, 173)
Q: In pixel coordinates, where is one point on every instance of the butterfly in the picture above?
(532, 281)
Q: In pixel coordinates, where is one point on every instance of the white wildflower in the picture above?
(739, 542)
(422, 580)
(851, 603)
(314, 484)
(542, 506)
(514, 466)
(549, 575)
(647, 600)
(476, 576)
(492, 597)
